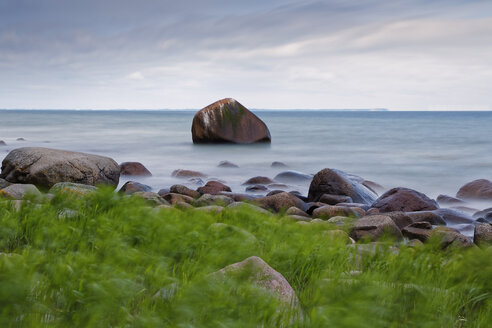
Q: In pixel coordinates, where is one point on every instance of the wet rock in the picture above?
(256, 188)
(278, 165)
(238, 197)
(274, 192)
(163, 191)
(72, 188)
(329, 211)
(450, 238)
(213, 188)
(173, 198)
(298, 195)
(334, 199)
(404, 200)
(151, 197)
(486, 215)
(480, 189)
(196, 181)
(227, 164)
(483, 234)
(4, 183)
(374, 227)
(451, 216)
(310, 207)
(227, 121)
(278, 186)
(44, 167)
(132, 186)
(258, 180)
(19, 191)
(188, 174)
(429, 216)
(401, 219)
(420, 231)
(466, 209)
(207, 199)
(2, 143)
(335, 182)
(183, 190)
(20, 139)
(293, 177)
(365, 207)
(296, 211)
(449, 200)
(134, 169)
(280, 202)
(374, 186)
(256, 271)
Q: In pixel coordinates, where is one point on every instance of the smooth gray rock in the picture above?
(72, 188)
(374, 227)
(19, 191)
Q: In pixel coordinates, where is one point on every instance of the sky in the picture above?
(277, 54)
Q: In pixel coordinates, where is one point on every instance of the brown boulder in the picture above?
(256, 188)
(374, 227)
(420, 230)
(449, 200)
(227, 121)
(483, 234)
(335, 182)
(258, 180)
(131, 187)
(404, 200)
(134, 169)
(334, 199)
(480, 189)
(183, 190)
(280, 201)
(329, 211)
(174, 199)
(213, 188)
(188, 174)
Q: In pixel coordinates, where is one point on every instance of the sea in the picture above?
(432, 152)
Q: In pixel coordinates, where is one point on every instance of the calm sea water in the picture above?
(433, 152)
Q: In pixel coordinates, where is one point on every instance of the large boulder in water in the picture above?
(404, 200)
(480, 189)
(44, 167)
(227, 121)
(335, 182)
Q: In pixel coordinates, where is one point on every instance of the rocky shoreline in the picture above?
(335, 198)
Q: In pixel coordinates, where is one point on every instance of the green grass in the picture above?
(110, 261)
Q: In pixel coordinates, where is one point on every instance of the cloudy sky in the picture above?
(150, 54)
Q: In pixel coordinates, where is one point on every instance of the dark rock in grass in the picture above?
(329, 211)
(335, 182)
(293, 177)
(480, 189)
(213, 188)
(19, 191)
(334, 199)
(4, 183)
(72, 188)
(281, 201)
(134, 169)
(44, 167)
(483, 234)
(404, 200)
(258, 180)
(228, 164)
(429, 216)
(420, 231)
(2, 143)
(278, 165)
(188, 174)
(256, 188)
(449, 200)
(256, 271)
(227, 121)
(174, 199)
(374, 227)
(207, 199)
(183, 190)
(131, 187)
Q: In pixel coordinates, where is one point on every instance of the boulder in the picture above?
(428, 216)
(131, 187)
(278, 165)
(401, 219)
(480, 189)
(293, 177)
(420, 231)
(237, 197)
(207, 199)
(19, 191)
(450, 238)
(483, 234)
(214, 209)
(256, 188)
(227, 121)
(44, 167)
(449, 200)
(280, 201)
(187, 174)
(183, 190)
(227, 164)
(258, 180)
(485, 214)
(404, 200)
(452, 216)
(213, 188)
(151, 197)
(174, 199)
(374, 227)
(4, 183)
(2, 143)
(296, 211)
(134, 169)
(298, 218)
(72, 188)
(250, 207)
(335, 182)
(334, 199)
(329, 211)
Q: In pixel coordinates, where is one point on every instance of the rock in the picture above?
(334, 199)
(374, 186)
(480, 189)
(340, 220)
(414, 243)
(227, 164)
(451, 216)
(256, 271)
(329, 211)
(293, 177)
(466, 209)
(183, 205)
(449, 200)
(486, 214)
(213, 188)
(448, 238)
(278, 186)
(428, 216)
(420, 231)
(359, 205)
(237, 197)
(372, 211)
(196, 181)
(256, 188)
(278, 165)
(44, 167)
(20, 139)
(280, 201)
(134, 169)
(310, 207)
(298, 218)
(298, 195)
(247, 206)
(132, 186)
(19, 191)
(163, 191)
(335, 182)
(207, 199)
(296, 211)
(177, 198)
(72, 188)
(151, 197)
(210, 209)
(374, 227)
(274, 192)
(401, 219)
(227, 121)
(258, 180)
(183, 190)
(404, 200)
(188, 174)
(2, 143)
(483, 234)
(4, 183)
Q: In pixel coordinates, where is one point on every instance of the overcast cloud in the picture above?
(153, 54)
